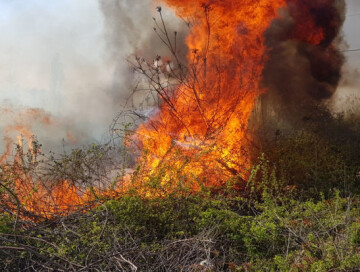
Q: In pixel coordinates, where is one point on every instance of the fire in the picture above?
(207, 120)
(200, 135)
(38, 197)
(33, 196)
(29, 192)
(22, 122)
(42, 201)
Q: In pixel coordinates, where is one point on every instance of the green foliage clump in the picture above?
(269, 234)
(298, 211)
(322, 154)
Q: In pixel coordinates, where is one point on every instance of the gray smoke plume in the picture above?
(68, 60)
(347, 98)
(52, 61)
(130, 28)
(301, 73)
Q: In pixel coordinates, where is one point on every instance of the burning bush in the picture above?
(200, 134)
(201, 198)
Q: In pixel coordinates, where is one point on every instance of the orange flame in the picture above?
(199, 135)
(22, 120)
(41, 199)
(61, 199)
(209, 115)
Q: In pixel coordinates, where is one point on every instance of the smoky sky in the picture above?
(351, 29)
(52, 59)
(69, 59)
(129, 27)
(352, 35)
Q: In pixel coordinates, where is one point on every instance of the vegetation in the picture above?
(296, 209)
(298, 212)
(180, 234)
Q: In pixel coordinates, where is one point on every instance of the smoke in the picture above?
(347, 98)
(130, 28)
(130, 25)
(22, 122)
(353, 7)
(351, 33)
(67, 59)
(304, 66)
(52, 61)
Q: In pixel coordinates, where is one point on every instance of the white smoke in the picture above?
(347, 96)
(68, 58)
